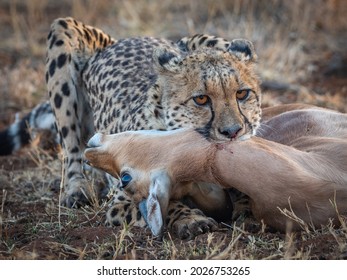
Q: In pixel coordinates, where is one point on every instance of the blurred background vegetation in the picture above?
(301, 44)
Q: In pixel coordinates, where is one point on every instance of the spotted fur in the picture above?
(97, 83)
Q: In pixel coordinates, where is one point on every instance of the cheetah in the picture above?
(99, 84)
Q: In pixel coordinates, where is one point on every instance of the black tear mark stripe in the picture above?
(245, 119)
(205, 131)
(256, 96)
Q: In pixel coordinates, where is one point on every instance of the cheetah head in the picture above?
(216, 92)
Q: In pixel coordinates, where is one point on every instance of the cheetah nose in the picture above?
(231, 131)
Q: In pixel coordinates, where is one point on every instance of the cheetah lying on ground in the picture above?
(97, 83)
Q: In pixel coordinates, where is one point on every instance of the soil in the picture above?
(34, 226)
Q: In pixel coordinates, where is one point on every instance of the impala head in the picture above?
(118, 155)
(213, 91)
(145, 177)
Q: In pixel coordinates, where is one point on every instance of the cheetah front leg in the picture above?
(186, 223)
(69, 46)
(182, 221)
(185, 219)
(197, 213)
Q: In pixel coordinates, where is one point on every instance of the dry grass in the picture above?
(301, 46)
(33, 226)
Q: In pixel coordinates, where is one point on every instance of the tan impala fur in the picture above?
(297, 161)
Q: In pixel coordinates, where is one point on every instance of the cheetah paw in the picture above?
(77, 195)
(193, 225)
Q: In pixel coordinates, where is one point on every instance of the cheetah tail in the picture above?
(19, 133)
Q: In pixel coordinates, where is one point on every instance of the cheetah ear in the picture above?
(243, 50)
(158, 201)
(166, 61)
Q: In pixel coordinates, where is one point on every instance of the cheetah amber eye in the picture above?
(201, 100)
(242, 94)
(125, 179)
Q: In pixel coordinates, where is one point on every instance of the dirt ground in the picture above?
(303, 58)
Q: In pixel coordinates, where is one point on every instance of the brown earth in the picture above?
(33, 226)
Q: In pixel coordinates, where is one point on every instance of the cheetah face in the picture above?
(216, 92)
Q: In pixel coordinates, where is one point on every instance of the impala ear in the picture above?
(243, 50)
(158, 201)
(166, 61)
